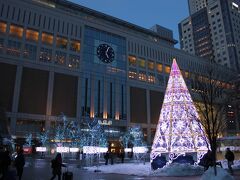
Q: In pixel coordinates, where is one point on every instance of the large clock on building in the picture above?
(105, 53)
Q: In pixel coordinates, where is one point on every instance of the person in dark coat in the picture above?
(19, 163)
(106, 157)
(57, 166)
(6, 162)
(122, 155)
(230, 158)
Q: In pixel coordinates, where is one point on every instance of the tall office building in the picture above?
(212, 31)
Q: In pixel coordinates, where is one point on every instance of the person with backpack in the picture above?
(57, 166)
(230, 158)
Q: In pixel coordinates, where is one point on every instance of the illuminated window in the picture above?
(167, 69)
(132, 75)
(30, 52)
(187, 75)
(14, 48)
(141, 63)
(132, 60)
(61, 43)
(75, 46)
(60, 58)
(45, 55)
(142, 76)
(16, 31)
(47, 38)
(32, 35)
(3, 27)
(151, 78)
(73, 61)
(151, 65)
(159, 67)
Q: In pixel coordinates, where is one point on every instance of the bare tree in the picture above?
(212, 104)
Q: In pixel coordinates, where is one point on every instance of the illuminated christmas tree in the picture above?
(179, 131)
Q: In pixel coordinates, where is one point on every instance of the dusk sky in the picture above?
(145, 13)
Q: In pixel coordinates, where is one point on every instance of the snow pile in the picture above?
(125, 168)
(176, 169)
(236, 164)
(222, 174)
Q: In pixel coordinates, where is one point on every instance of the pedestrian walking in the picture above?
(19, 163)
(57, 166)
(122, 155)
(230, 158)
(106, 157)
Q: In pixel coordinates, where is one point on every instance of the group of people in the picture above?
(208, 160)
(110, 155)
(5, 162)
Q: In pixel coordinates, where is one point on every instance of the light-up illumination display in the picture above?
(128, 150)
(179, 130)
(94, 149)
(62, 149)
(74, 149)
(41, 149)
(140, 149)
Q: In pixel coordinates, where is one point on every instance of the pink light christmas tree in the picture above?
(179, 131)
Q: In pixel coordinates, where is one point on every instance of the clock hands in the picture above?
(106, 53)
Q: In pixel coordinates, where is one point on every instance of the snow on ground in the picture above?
(236, 164)
(145, 170)
(222, 174)
(176, 169)
(125, 168)
(140, 169)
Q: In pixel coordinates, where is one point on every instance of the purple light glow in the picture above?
(178, 130)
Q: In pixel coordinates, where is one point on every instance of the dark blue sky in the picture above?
(145, 13)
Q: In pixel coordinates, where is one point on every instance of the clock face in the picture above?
(105, 53)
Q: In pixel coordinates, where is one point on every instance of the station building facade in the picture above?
(60, 57)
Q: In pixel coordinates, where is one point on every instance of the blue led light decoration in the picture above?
(179, 131)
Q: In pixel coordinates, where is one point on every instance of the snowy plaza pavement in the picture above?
(41, 170)
(178, 170)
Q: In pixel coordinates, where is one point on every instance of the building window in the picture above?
(151, 78)
(142, 76)
(73, 61)
(132, 75)
(159, 67)
(75, 46)
(32, 35)
(47, 38)
(186, 74)
(3, 27)
(132, 60)
(16, 31)
(151, 65)
(141, 63)
(60, 58)
(30, 52)
(45, 55)
(167, 69)
(14, 48)
(61, 42)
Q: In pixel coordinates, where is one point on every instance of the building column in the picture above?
(49, 99)
(92, 96)
(117, 99)
(128, 105)
(105, 98)
(16, 96)
(79, 94)
(148, 117)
